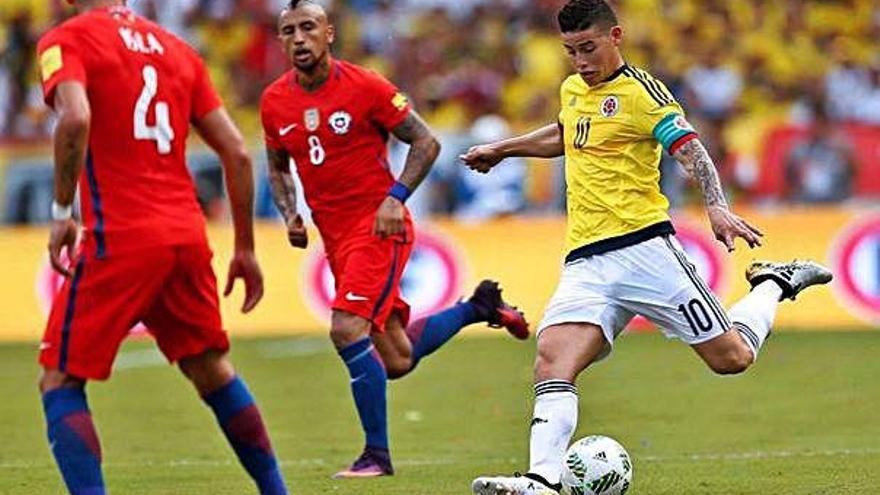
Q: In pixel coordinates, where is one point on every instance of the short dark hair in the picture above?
(296, 3)
(580, 15)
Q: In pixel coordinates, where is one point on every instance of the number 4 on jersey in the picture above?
(162, 132)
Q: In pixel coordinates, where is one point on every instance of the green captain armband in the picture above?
(673, 131)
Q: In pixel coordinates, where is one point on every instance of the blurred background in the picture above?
(786, 95)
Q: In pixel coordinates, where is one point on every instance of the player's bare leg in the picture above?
(72, 435)
(734, 351)
(395, 347)
(227, 395)
(403, 347)
(351, 336)
(564, 351)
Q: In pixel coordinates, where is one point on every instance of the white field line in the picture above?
(732, 456)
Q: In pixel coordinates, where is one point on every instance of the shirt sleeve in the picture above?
(660, 116)
(390, 106)
(60, 61)
(205, 98)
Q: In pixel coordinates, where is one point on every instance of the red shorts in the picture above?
(367, 270)
(171, 289)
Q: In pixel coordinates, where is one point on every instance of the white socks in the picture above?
(753, 315)
(553, 424)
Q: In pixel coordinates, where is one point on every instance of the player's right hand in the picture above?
(244, 265)
(62, 235)
(481, 158)
(297, 234)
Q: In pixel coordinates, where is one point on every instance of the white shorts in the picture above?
(654, 279)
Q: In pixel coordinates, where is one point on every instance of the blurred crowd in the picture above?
(484, 69)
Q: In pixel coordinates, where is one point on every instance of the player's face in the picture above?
(594, 52)
(306, 35)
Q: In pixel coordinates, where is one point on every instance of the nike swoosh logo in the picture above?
(44, 346)
(351, 296)
(285, 130)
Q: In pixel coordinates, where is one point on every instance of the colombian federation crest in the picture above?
(681, 123)
(312, 119)
(610, 106)
(340, 122)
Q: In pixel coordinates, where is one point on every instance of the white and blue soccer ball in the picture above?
(596, 465)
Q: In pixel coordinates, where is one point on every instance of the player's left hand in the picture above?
(62, 235)
(727, 226)
(390, 218)
(244, 265)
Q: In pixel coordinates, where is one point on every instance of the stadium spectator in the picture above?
(820, 169)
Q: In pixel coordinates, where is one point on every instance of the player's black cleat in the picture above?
(791, 277)
(493, 309)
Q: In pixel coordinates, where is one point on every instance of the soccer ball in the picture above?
(596, 465)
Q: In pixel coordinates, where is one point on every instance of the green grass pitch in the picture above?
(803, 421)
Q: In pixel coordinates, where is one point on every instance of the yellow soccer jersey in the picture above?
(613, 134)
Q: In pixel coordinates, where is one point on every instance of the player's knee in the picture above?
(53, 379)
(397, 368)
(549, 365)
(347, 329)
(207, 371)
(732, 362)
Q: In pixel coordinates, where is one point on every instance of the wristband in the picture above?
(400, 192)
(61, 212)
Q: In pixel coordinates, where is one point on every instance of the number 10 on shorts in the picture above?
(696, 315)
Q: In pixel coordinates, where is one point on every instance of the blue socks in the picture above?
(428, 334)
(74, 441)
(368, 386)
(243, 426)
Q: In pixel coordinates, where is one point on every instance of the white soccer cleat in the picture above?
(511, 485)
(792, 277)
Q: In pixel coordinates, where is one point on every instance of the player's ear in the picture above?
(616, 35)
(331, 33)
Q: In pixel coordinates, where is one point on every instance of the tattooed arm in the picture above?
(725, 224)
(423, 150)
(284, 194)
(71, 139)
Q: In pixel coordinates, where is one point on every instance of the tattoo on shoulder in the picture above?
(694, 157)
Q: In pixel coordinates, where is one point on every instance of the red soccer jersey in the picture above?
(144, 87)
(337, 136)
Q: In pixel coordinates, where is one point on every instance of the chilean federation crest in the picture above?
(312, 119)
(610, 106)
(340, 122)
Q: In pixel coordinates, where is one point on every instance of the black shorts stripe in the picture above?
(389, 282)
(708, 297)
(714, 305)
(68, 316)
(651, 91)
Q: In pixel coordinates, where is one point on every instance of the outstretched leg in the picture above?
(402, 348)
(72, 436)
(752, 316)
(227, 395)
